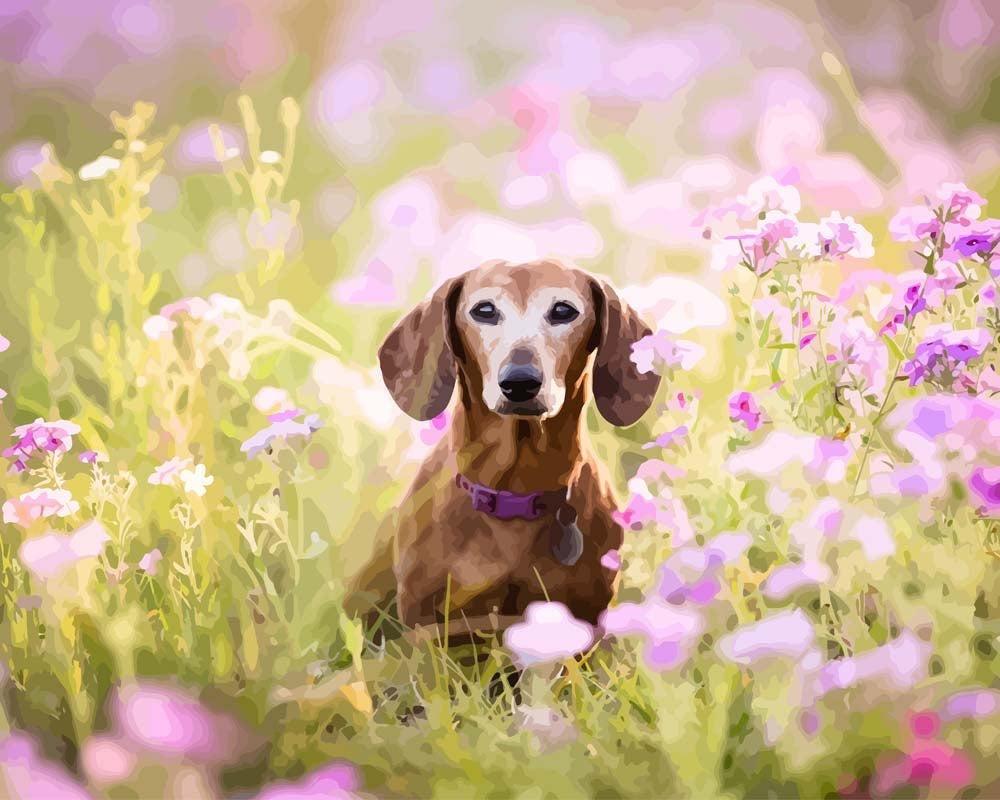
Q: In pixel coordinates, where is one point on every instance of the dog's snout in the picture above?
(520, 383)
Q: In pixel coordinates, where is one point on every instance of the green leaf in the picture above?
(782, 346)
(766, 330)
(814, 390)
(893, 348)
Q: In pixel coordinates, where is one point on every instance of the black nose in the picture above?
(519, 384)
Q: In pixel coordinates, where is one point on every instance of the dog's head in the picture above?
(522, 337)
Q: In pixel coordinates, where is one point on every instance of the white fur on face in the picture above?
(525, 329)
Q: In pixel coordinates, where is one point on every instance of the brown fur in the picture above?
(447, 552)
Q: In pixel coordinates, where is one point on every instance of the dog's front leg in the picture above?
(416, 599)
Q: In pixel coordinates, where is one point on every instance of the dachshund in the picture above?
(512, 506)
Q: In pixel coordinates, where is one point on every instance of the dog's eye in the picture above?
(485, 312)
(561, 313)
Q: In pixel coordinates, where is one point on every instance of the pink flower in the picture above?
(150, 562)
(914, 223)
(663, 509)
(743, 408)
(39, 504)
(661, 352)
(51, 555)
(40, 437)
(861, 361)
(959, 201)
(434, 430)
(106, 761)
(338, 780)
(669, 632)
(901, 664)
(91, 457)
(612, 560)
(765, 195)
(161, 719)
(926, 763)
(761, 251)
(194, 307)
(24, 774)
(4, 343)
(787, 579)
(823, 459)
(842, 236)
(169, 472)
(549, 633)
(787, 634)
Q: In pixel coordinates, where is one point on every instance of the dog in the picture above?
(512, 506)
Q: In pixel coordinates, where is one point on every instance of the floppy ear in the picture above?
(417, 358)
(622, 393)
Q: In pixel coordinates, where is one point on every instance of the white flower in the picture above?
(166, 474)
(98, 168)
(766, 195)
(158, 327)
(196, 480)
(677, 304)
(270, 157)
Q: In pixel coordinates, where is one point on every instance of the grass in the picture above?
(246, 610)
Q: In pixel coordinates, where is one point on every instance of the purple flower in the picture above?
(669, 438)
(787, 634)
(284, 426)
(743, 408)
(984, 484)
(691, 574)
(338, 780)
(942, 356)
(91, 457)
(971, 704)
(975, 244)
(549, 633)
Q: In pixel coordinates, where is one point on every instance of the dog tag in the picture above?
(567, 540)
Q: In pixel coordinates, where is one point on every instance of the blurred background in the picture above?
(435, 134)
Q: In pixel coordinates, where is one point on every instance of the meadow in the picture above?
(807, 601)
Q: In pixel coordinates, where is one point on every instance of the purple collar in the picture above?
(501, 504)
